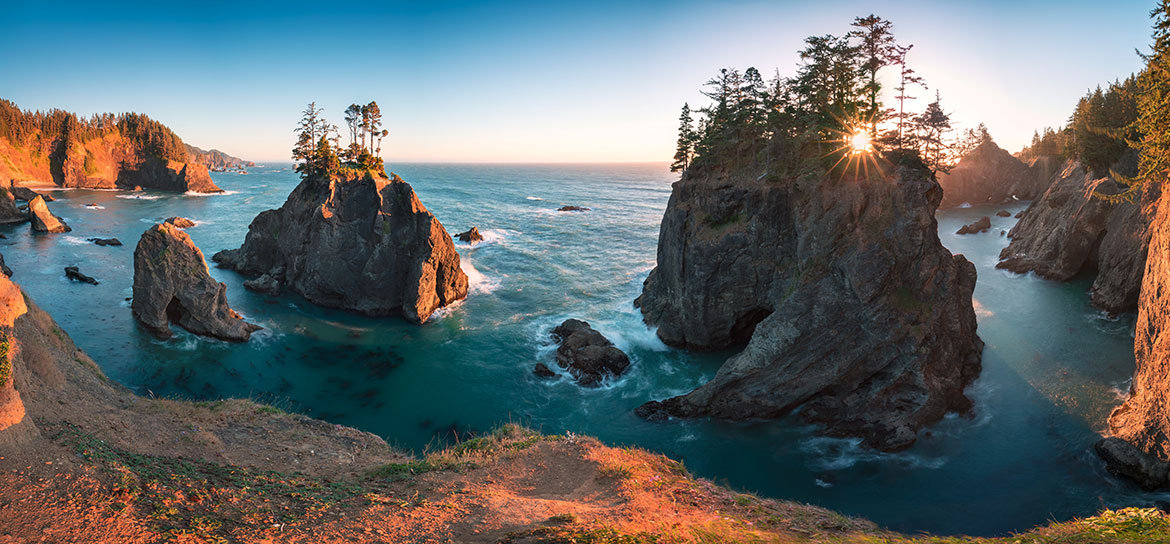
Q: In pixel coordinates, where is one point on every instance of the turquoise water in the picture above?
(1053, 366)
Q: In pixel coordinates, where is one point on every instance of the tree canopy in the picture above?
(59, 129)
(319, 151)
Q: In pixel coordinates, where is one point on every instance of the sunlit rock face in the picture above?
(1070, 228)
(13, 427)
(358, 241)
(990, 175)
(851, 308)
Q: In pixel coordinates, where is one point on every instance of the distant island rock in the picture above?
(106, 152)
(42, 219)
(990, 175)
(357, 240)
(588, 355)
(216, 160)
(172, 285)
(852, 309)
(471, 236)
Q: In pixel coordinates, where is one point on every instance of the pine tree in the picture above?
(906, 79)
(1153, 103)
(877, 50)
(686, 141)
(933, 127)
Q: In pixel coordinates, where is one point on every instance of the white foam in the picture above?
(94, 207)
(490, 236)
(965, 205)
(533, 198)
(139, 197)
(222, 193)
(822, 483)
(74, 240)
(842, 453)
(478, 282)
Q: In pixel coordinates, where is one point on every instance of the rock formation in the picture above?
(26, 194)
(990, 175)
(74, 273)
(181, 222)
(572, 209)
(9, 212)
(850, 306)
(358, 241)
(105, 241)
(1143, 421)
(1003, 213)
(216, 159)
(980, 225)
(172, 285)
(588, 355)
(471, 236)
(1068, 230)
(42, 219)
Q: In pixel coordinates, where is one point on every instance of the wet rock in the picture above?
(42, 219)
(358, 241)
(1003, 213)
(471, 236)
(587, 354)
(543, 371)
(572, 209)
(981, 225)
(181, 222)
(105, 241)
(172, 285)
(1126, 460)
(266, 284)
(73, 273)
(853, 313)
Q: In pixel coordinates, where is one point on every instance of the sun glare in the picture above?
(859, 142)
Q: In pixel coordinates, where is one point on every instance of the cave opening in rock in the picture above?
(175, 310)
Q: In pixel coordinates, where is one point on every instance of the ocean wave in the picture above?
(533, 198)
(842, 453)
(478, 283)
(74, 240)
(490, 236)
(222, 193)
(94, 207)
(138, 197)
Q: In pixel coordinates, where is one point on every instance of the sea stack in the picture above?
(354, 239)
(990, 175)
(850, 307)
(172, 285)
(42, 219)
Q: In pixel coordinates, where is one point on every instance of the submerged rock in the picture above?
(572, 209)
(73, 273)
(852, 309)
(980, 225)
(358, 241)
(105, 241)
(990, 175)
(172, 285)
(1070, 229)
(588, 355)
(471, 236)
(42, 219)
(181, 222)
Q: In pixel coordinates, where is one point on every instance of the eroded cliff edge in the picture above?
(356, 240)
(850, 306)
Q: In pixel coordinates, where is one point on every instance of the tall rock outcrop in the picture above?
(42, 219)
(990, 175)
(851, 308)
(172, 285)
(1069, 229)
(1143, 421)
(355, 240)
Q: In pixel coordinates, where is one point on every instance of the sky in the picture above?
(548, 81)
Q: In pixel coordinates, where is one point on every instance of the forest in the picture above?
(318, 150)
(58, 129)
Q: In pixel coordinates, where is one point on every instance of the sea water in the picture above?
(1053, 367)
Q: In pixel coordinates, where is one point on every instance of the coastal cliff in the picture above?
(356, 240)
(1070, 229)
(105, 152)
(216, 160)
(851, 308)
(990, 175)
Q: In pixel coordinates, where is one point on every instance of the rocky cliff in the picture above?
(851, 308)
(1068, 230)
(990, 175)
(172, 285)
(216, 159)
(356, 240)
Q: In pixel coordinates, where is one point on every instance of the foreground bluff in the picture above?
(990, 175)
(355, 240)
(1070, 229)
(851, 307)
(172, 285)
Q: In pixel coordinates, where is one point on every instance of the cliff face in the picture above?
(1068, 230)
(172, 285)
(990, 175)
(851, 307)
(216, 159)
(356, 241)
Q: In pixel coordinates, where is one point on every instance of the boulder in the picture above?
(105, 241)
(572, 209)
(588, 355)
(980, 225)
(1126, 460)
(266, 284)
(181, 222)
(1003, 213)
(471, 236)
(42, 219)
(355, 240)
(9, 212)
(990, 175)
(172, 285)
(73, 273)
(851, 309)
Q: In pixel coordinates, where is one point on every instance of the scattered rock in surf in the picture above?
(543, 371)
(181, 222)
(105, 241)
(587, 354)
(73, 273)
(266, 284)
(1003, 213)
(982, 225)
(471, 236)
(573, 209)
(1003, 233)
(42, 219)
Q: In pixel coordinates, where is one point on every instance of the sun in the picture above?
(860, 142)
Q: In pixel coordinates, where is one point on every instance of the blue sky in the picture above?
(529, 82)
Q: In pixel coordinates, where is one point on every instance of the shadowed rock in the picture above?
(105, 241)
(4, 267)
(358, 241)
(851, 308)
(42, 219)
(1125, 459)
(26, 194)
(172, 285)
(980, 225)
(73, 273)
(990, 175)
(471, 236)
(9, 212)
(588, 355)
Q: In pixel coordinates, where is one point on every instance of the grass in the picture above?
(579, 535)
(505, 439)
